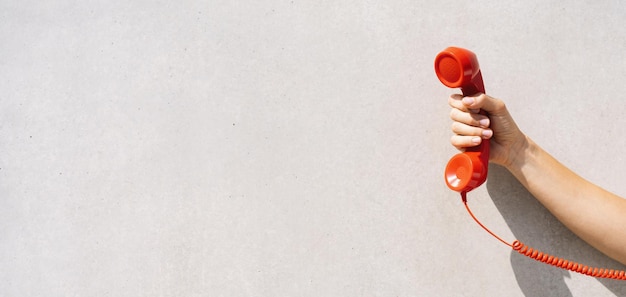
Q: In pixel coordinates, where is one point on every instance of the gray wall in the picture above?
(290, 148)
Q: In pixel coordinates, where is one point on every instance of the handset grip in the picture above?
(458, 68)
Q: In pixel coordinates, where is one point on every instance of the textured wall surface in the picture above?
(291, 148)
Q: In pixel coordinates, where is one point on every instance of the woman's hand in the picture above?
(594, 214)
(471, 128)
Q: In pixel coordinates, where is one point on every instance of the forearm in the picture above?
(594, 214)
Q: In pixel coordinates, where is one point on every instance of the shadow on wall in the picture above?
(536, 227)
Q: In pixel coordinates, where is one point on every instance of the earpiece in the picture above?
(458, 68)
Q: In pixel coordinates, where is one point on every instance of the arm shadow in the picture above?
(536, 227)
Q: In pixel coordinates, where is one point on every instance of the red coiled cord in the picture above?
(549, 259)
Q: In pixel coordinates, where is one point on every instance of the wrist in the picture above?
(520, 154)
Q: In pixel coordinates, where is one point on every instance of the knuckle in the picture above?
(452, 101)
(500, 104)
(456, 127)
(454, 114)
(454, 140)
(461, 142)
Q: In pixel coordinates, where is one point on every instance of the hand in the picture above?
(471, 128)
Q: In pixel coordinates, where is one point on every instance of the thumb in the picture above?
(487, 103)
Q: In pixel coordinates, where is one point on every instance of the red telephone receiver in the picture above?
(458, 68)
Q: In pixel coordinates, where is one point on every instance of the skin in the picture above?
(594, 214)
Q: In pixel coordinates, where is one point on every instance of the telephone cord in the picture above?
(549, 259)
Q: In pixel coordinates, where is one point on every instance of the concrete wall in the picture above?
(290, 148)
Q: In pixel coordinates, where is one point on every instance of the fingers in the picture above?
(455, 101)
(468, 136)
(461, 142)
(469, 118)
(481, 101)
(466, 130)
(469, 127)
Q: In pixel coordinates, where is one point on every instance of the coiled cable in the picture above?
(549, 259)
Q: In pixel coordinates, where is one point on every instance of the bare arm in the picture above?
(594, 214)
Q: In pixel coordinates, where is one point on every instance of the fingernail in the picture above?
(484, 122)
(487, 133)
(468, 100)
(476, 140)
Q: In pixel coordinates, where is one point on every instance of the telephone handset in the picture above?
(458, 68)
